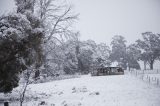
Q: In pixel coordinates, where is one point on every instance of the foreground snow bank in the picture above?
(118, 90)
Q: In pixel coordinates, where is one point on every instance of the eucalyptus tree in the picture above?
(149, 46)
(118, 52)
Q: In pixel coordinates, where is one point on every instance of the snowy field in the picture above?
(116, 90)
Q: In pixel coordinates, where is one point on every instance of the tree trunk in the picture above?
(151, 65)
(145, 65)
(24, 90)
(6, 103)
(37, 74)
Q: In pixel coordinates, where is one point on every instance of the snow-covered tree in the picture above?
(86, 61)
(133, 55)
(102, 55)
(57, 18)
(118, 52)
(149, 46)
(21, 37)
(70, 61)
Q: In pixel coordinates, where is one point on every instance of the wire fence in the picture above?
(150, 76)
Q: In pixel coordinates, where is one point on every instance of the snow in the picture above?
(38, 30)
(116, 90)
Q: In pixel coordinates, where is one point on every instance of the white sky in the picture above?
(100, 20)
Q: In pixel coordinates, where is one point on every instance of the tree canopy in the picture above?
(149, 46)
(21, 38)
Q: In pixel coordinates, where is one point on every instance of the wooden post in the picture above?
(142, 77)
(157, 81)
(6, 103)
(152, 78)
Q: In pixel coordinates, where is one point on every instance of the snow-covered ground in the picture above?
(116, 90)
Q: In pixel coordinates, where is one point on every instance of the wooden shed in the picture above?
(107, 71)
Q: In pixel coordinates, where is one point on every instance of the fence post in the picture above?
(156, 78)
(152, 78)
(6, 103)
(149, 79)
(136, 73)
(157, 81)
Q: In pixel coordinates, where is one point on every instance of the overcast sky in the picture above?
(100, 20)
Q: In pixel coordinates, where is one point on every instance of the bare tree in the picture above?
(57, 17)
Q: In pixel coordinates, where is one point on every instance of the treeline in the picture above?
(146, 49)
(75, 56)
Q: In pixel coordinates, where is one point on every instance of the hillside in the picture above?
(118, 90)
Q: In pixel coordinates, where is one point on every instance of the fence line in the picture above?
(150, 76)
